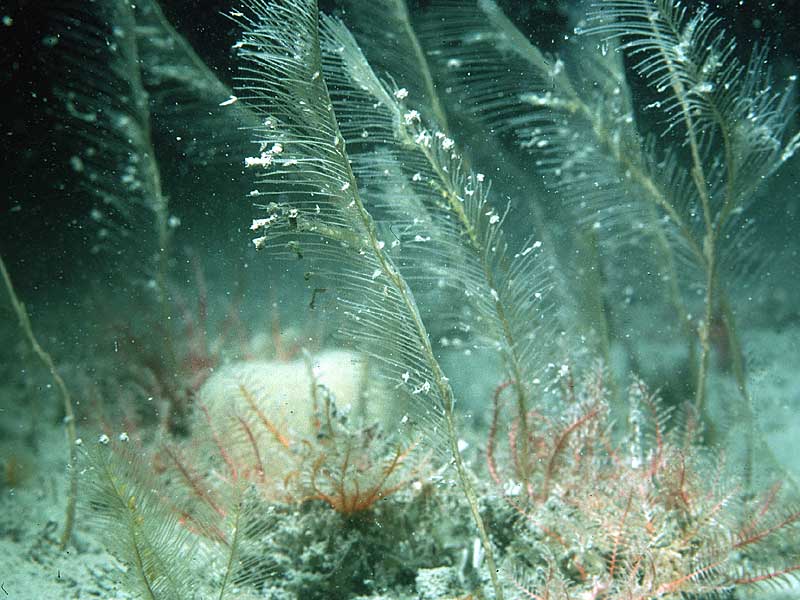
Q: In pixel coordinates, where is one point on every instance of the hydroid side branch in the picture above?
(506, 293)
(734, 122)
(304, 165)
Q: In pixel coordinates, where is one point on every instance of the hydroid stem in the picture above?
(66, 398)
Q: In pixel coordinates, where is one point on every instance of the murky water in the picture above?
(388, 300)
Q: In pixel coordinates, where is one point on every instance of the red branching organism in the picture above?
(646, 513)
(350, 480)
(349, 468)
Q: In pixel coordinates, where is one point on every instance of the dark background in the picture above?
(42, 217)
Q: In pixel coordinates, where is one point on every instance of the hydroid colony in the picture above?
(358, 178)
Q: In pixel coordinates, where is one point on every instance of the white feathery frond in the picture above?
(506, 292)
(318, 213)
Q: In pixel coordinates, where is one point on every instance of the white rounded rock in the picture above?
(282, 391)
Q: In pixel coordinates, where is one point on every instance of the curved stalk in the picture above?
(66, 399)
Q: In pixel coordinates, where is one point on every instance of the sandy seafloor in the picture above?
(32, 505)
